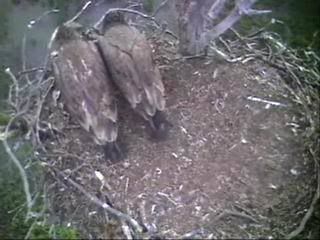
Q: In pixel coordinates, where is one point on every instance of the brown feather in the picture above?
(85, 86)
(129, 59)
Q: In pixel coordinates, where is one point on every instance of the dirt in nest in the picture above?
(231, 167)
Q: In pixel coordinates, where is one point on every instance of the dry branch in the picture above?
(306, 78)
(248, 52)
(242, 8)
(17, 163)
(162, 5)
(226, 213)
(196, 29)
(121, 216)
(307, 216)
(38, 19)
(19, 99)
(38, 113)
(75, 18)
(216, 9)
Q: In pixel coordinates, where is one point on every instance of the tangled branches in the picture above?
(27, 95)
(300, 70)
(31, 87)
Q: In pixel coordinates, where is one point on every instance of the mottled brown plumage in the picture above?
(85, 86)
(128, 57)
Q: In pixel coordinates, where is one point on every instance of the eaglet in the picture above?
(85, 86)
(128, 58)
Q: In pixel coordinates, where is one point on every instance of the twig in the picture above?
(79, 13)
(193, 234)
(38, 114)
(226, 45)
(121, 216)
(143, 217)
(168, 198)
(126, 230)
(64, 155)
(37, 218)
(309, 213)
(236, 214)
(163, 4)
(23, 56)
(15, 85)
(31, 70)
(255, 99)
(216, 9)
(38, 19)
(22, 172)
(9, 100)
(241, 8)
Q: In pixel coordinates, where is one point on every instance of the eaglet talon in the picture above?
(160, 126)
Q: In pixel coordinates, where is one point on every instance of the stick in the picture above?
(255, 99)
(236, 214)
(38, 19)
(16, 162)
(31, 70)
(79, 13)
(308, 215)
(38, 114)
(160, 7)
(122, 216)
(23, 56)
(15, 84)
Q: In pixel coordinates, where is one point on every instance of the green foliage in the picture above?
(4, 119)
(4, 88)
(149, 5)
(25, 151)
(67, 233)
(4, 9)
(48, 232)
(301, 21)
(12, 201)
(12, 224)
(62, 5)
(13, 209)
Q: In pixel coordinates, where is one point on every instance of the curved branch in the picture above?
(216, 9)
(122, 216)
(79, 13)
(242, 8)
(16, 162)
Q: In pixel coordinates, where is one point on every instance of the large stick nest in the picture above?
(237, 163)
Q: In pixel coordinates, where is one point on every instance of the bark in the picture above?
(196, 21)
(191, 24)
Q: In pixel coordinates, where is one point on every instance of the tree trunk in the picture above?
(200, 21)
(191, 24)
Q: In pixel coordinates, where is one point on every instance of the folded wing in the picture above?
(82, 78)
(128, 57)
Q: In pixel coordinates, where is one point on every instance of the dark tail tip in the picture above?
(160, 126)
(113, 152)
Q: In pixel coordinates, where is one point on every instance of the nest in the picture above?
(235, 165)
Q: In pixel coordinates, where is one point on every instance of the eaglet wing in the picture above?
(149, 73)
(142, 88)
(88, 93)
